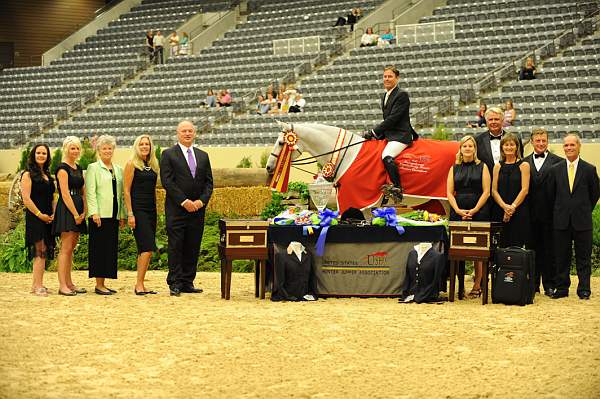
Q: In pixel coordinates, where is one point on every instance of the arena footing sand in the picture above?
(197, 345)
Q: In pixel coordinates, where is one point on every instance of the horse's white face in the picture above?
(278, 146)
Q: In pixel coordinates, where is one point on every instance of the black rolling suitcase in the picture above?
(513, 276)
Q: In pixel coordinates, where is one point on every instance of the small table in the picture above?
(243, 239)
(472, 241)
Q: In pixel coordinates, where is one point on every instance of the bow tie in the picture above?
(492, 137)
(542, 155)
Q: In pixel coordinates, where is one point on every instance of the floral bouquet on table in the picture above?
(421, 218)
(303, 217)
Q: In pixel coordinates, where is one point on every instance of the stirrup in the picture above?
(397, 193)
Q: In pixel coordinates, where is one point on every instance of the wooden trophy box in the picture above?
(243, 238)
(474, 240)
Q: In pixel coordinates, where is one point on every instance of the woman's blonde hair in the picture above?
(67, 142)
(510, 137)
(459, 156)
(136, 157)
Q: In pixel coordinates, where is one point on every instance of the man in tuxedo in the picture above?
(186, 175)
(488, 145)
(395, 128)
(540, 164)
(575, 187)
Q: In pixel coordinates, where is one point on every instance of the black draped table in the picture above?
(359, 260)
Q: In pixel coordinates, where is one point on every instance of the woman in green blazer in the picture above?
(106, 212)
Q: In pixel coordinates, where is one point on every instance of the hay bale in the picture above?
(239, 201)
(230, 201)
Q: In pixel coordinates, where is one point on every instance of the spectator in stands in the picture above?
(353, 17)
(299, 103)
(262, 105)
(184, 44)
(106, 212)
(37, 191)
(468, 190)
(211, 99)
(510, 186)
(150, 44)
(284, 106)
(159, 42)
(139, 186)
(480, 116)
(270, 90)
(224, 99)
(528, 71)
(509, 114)
(69, 216)
(369, 38)
(387, 39)
(174, 44)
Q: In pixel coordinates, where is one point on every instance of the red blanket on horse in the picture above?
(423, 167)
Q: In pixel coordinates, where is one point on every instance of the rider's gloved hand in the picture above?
(368, 134)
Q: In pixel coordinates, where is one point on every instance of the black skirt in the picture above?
(64, 220)
(103, 248)
(145, 231)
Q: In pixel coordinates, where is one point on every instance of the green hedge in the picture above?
(13, 254)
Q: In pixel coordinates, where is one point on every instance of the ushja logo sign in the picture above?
(376, 258)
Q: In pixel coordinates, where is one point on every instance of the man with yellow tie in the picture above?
(575, 188)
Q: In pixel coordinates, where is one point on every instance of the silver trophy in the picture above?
(319, 192)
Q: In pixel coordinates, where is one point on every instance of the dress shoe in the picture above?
(192, 290)
(111, 290)
(585, 295)
(549, 292)
(79, 290)
(67, 293)
(174, 291)
(139, 293)
(100, 292)
(559, 294)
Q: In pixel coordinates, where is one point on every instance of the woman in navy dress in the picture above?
(37, 191)
(509, 189)
(140, 177)
(69, 218)
(468, 190)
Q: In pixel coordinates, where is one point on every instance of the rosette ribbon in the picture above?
(389, 214)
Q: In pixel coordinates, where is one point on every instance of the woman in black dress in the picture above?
(106, 212)
(69, 217)
(37, 191)
(510, 187)
(468, 189)
(140, 177)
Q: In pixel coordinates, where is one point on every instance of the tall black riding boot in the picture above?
(394, 189)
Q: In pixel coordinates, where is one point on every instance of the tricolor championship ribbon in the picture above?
(281, 176)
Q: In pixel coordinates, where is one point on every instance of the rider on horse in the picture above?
(395, 128)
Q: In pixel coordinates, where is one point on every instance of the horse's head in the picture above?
(278, 146)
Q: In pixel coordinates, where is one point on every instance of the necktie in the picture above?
(387, 94)
(492, 137)
(191, 162)
(571, 176)
(542, 155)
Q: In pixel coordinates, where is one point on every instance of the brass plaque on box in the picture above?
(243, 233)
(474, 238)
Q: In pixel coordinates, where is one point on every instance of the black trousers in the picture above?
(542, 244)
(184, 240)
(563, 240)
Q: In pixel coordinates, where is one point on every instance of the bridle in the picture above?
(313, 159)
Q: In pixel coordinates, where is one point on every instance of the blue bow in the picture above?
(326, 216)
(389, 214)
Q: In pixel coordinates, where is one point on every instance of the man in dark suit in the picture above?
(186, 175)
(540, 163)
(488, 145)
(575, 187)
(395, 128)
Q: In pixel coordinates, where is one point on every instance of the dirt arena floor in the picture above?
(198, 345)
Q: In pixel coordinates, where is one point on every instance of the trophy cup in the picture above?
(319, 192)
